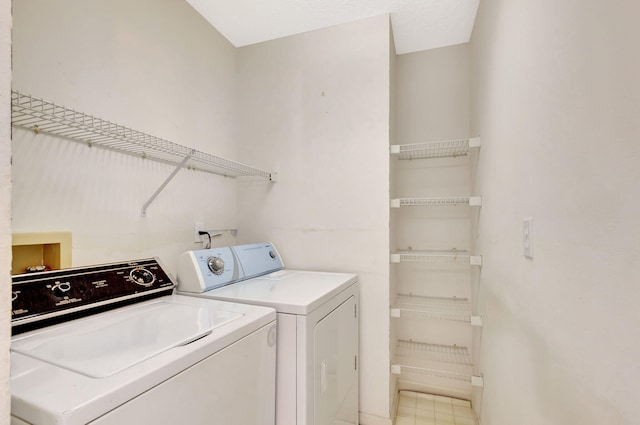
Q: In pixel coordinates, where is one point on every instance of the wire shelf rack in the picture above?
(436, 256)
(473, 201)
(40, 115)
(401, 369)
(440, 308)
(440, 149)
(453, 309)
(438, 361)
(420, 353)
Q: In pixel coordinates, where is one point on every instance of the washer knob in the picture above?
(272, 254)
(60, 289)
(142, 277)
(216, 265)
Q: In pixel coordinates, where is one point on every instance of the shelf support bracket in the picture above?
(477, 380)
(475, 201)
(476, 321)
(166, 182)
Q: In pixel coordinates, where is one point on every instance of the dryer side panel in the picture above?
(286, 370)
(335, 386)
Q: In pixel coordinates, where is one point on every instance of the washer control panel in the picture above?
(45, 295)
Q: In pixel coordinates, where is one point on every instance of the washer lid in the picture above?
(46, 394)
(102, 346)
(288, 291)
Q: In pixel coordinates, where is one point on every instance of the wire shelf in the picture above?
(40, 115)
(420, 352)
(441, 149)
(400, 369)
(436, 256)
(421, 307)
(437, 202)
(438, 361)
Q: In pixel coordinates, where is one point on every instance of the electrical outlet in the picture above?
(197, 227)
(527, 237)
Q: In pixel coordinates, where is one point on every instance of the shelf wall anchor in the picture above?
(477, 381)
(476, 321)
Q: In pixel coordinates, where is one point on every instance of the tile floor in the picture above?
(425, 409)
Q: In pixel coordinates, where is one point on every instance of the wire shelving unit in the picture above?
(43, 116)
(401, 369)
(421, 362)
(440, 308)
(440, 149)
(440, 361)
(472, 201)
(423, 352)
(436, 256)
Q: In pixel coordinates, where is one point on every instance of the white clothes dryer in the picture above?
(159, 359)
(317, 319)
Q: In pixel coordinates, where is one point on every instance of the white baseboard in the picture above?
(366, 419)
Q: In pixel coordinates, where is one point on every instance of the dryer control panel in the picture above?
(206, 269)
(38, 298)
(258, 259)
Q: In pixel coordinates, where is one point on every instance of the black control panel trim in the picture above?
(19, 327)
(132, 298)
(43, 297)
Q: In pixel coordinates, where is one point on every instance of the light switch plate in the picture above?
(527, 237)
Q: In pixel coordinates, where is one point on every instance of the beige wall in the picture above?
(5, 207)
(154, 65)
(433, 95)
(315, 108)
(556, 101)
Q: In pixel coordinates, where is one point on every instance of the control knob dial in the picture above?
(142, 276)
(216, 265)
(60, 289)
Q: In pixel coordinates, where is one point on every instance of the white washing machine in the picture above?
(317, 349)
(111, 344)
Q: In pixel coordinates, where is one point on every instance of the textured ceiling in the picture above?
(417, 24)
